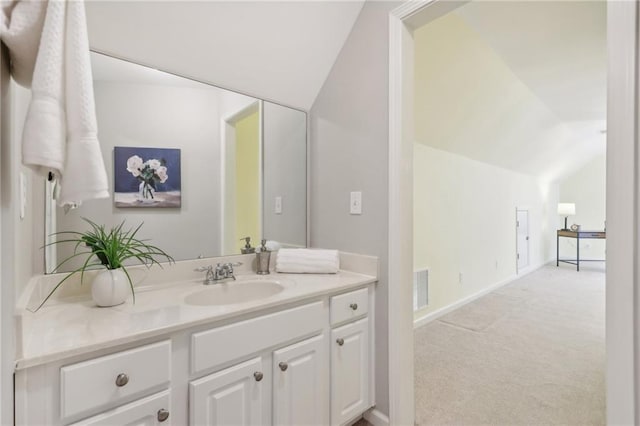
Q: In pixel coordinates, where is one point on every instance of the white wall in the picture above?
(349, 152)
(285, 174)
(159, 116)
(464, 222)
(587, 189)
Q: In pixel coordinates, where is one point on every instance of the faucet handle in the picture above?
(232, 265)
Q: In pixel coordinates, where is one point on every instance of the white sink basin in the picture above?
(233, 292)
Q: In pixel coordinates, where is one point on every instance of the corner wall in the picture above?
(465, 223)
(349, 152)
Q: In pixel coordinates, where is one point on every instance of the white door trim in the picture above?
(623, 206)
(622, 214)
(401, 22)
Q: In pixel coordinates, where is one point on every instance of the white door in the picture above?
(349, 371)
(300, 391)
(231, 397)
(522, 238)
(150, 411)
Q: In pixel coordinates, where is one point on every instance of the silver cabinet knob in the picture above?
(283, 366)
(354, 306)
(258, 376)
(340, 341)
(163, 415)
(121, 380)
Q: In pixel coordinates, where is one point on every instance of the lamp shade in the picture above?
(566, 209)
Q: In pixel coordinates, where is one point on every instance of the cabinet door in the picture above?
(300, 391)
(150, 411)
(349, 371)
(231, 397)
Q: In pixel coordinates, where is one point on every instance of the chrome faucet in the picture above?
(221, 272)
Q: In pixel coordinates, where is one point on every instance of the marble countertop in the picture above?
(75, 326)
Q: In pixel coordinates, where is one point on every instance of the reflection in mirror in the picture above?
(234, 166)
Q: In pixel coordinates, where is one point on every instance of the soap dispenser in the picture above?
(247, 249)
(263, 257)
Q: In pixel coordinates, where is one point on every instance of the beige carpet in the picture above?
(532, 352)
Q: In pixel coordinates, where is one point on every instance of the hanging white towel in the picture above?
(307, 261)
(20, 30)
(60, 131)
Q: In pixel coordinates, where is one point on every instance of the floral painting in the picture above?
(147, 177)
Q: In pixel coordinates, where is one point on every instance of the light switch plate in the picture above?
(356, 203)
(278, 207)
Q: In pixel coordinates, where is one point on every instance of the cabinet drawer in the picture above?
(149, 411)
(223, 344)
(349, 306)
(91, 385)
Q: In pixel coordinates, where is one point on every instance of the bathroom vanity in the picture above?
(281, 349)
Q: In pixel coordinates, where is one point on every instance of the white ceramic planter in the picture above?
(110, 288)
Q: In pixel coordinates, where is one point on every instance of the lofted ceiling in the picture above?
(280, 51)
(521, 85)
(557, 48)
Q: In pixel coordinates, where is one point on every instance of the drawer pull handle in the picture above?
(258, 376)
(122, 380)
(354, 306)
(283, 366)
(340, 341)
(163, 415)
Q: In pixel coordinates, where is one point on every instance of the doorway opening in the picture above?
(241, 169)
(404, 22)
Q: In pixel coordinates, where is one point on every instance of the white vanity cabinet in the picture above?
(351, 356)
(307, 362)
(286, 383)
(127, 387)
(150, 411)
(233, 396)
(300, 393)
(293, 392)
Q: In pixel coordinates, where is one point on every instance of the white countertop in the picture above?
(75, 326)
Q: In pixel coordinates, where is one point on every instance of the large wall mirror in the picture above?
(232, 166)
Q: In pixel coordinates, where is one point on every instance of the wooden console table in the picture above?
(578, 235)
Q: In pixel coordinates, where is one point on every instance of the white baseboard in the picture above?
(419, 322)
(376, 417)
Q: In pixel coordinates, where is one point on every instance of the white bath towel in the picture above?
(60, 131)
(307, 261)
(20, 29)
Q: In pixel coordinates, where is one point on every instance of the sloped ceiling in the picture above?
(521, 85)
(557, 48)
(276, 50)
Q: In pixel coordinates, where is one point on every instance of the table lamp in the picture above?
(566, 209)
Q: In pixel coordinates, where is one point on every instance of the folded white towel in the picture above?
(60, 131)
(307, 261)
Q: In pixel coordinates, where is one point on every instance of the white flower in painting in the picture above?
(154, 164)
(162, 174)
(134, 164)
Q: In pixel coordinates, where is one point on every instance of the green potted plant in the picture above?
(109, 250)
